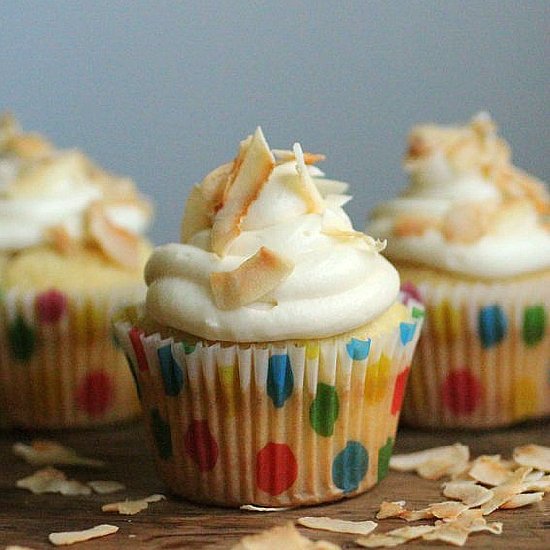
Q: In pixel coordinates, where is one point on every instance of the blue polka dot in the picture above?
(161, 434)
(280, 380)
(172, 377)
(406, 332)
(134, 374)
(358, 350)
(350, 466)
(492, 325)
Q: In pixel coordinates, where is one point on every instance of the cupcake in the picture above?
(272, 350)
(470, 237)
(71, 250)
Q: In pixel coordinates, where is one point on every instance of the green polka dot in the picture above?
(417, 313)
(384, 455)
(324, 410)
(22, 340)
(189, 348)
(534, 325)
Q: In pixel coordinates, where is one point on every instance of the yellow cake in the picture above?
(71, 249)
(272, 350)
(470, 236)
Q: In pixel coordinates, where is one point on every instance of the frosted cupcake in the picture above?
(471, 232)
(70, 251)
(272, 350)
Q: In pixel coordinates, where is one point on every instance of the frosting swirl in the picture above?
(329, 278)
(42, 189)
(467, 209)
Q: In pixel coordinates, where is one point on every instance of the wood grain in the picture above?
(27, 519)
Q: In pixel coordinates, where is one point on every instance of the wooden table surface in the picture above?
(27, 519)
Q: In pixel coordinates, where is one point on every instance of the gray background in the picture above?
(164, 91)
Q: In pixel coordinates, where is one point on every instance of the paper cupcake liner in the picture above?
(280, 424)
(59, 367)
(483, 358)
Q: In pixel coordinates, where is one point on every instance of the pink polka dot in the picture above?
(276, 468)
(96, 393)
(200, 445)
(461, 392)
(410, 292)
(399, 390)
(51, 306)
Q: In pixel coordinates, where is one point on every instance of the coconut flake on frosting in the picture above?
(467, 207)
(267, 253)
(252, 280)
(243, 187)
(53, 197)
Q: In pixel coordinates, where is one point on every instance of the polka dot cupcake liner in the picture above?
(59, 367)
(281, 424)
(483, 358)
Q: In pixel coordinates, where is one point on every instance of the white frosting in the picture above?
(522, 246)
(336, 285)
(56, 198)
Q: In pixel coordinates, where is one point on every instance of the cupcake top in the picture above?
(60, 199)
(267, 253)
(467, 208)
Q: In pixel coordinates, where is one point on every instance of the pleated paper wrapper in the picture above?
(280, 424)
(483, 358)
(59, 367)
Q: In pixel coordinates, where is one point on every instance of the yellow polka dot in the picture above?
(377, 380)
(445, 319)
(228, 383)
(312, 350)
(525, 397)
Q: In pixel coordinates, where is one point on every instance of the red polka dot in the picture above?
(461, 392)
(410, 292)
(51, 306)
(135, 337)
(200, 445)
(276, 468)
(96, 393)
(399, 390)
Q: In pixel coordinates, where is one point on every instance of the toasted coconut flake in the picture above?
(283, 536)
(43, 452)
(535, 456)
(413, 226)
(50, 480)
(394, 537)
(17, 547)
(456, 531)
(330, 187)
(506, 491)
(375, 245)
(433, 463)
(28, 146)
(338, 525)
(391, 509)
(131, 507)
(468, 492)
(61, 239)
(466, 223)
(284, 155)
(523, 499)
(71, 537)
(118, 244)
(308, 189)
(490, 470)
(197, 215)
(243, 189)
(106, 487)
(254, 278)
(253, 508)
(540, 484)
